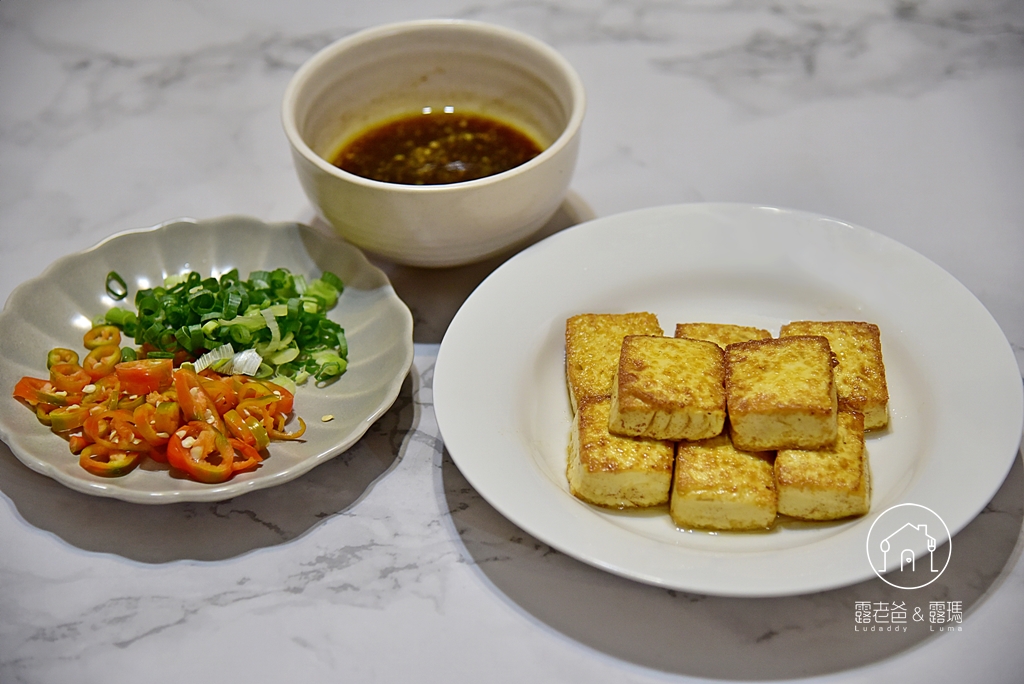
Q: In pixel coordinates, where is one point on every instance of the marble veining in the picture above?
(835, 53)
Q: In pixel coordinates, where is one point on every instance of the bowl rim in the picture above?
(303, 73)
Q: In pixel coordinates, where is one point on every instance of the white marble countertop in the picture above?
(903, 116)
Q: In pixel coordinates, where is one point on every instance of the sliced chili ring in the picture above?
(250, 457)
(279, 433)
(77, 442)
(145, 422)
(267, 393)
(259, 432)
(168, 417)
(221, 391)
(105, 462)
(67, 418)
(61, 355)
(69, 377)
(43, 412)
(36, 391)
(131, 402)
(236, 427)
(115, 430)
(101, 360)
(286, 400)
(158, 454)
(202, 452)
(102, 335)
(195, 403)
(143, 376)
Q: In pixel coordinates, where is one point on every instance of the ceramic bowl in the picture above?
(398, 69)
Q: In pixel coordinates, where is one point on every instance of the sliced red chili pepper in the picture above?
(143, 376)
(61, 355)
(250, 458)
(202, 452)
(77, 442)
(237, 428)
(158, 454)
(167, 418)
(106, 392)
(43, 412)
(105, 462)
(114, 430)
(145, 423)
(34, 391)
(286, 400)
(113, 413)
(278, 431)
(221, 390)
(101, 360)
(195, 403)
(269, 392)
(101, 336)
(65, 418)
(69, 377)
(130, 402)
(259, 432)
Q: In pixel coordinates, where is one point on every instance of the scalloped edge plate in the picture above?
(956, 403)
(55, 309)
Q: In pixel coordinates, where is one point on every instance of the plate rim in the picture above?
(449, 427)
(101, 487)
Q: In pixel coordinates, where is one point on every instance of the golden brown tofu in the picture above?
(592, 346)
(720, 333)
(860, 373)
(718, 487)
(668, 388)
(781, 394)
(613, 471)
(827, 484)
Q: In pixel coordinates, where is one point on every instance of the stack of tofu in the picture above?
(728, 425)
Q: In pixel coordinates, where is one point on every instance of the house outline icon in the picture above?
(906, 553)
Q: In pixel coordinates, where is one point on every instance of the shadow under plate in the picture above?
(717, 637)
(211, 531)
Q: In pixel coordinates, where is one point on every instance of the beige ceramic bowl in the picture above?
(396, 69)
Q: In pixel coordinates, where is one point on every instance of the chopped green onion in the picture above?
(275, 319)
(283, 356)
(221, 353)
(115, 286)
(246, 362)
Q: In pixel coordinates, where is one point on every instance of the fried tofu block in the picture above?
(668, 388)
(860, 373)
(718, 487)
(613, 471)
(827, 484)
(592, 346)
(781, 394)
(721, 334)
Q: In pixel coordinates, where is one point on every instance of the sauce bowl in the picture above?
(435, 65)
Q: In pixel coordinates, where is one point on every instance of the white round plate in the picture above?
(55, 309)
(956, 401)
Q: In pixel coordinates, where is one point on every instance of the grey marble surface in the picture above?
(385, 564)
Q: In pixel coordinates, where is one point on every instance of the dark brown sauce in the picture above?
(436, 148)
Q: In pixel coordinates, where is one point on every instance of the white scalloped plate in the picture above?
(55, 309)
(503, 411)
